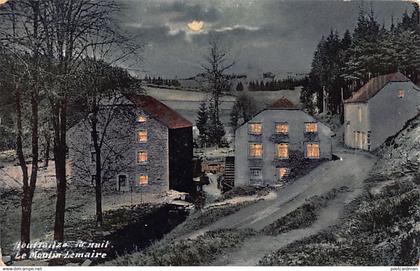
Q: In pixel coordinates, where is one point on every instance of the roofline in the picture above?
(128, 96)
(399, 81)
(415, 87)
(266, 109)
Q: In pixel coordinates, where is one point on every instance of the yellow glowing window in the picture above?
(141, 157)
(312, 150)
(141, 119)
(401, 93)
(282, 150)
(282, 172)
(255, 128)
(282, 128)
(142, 136)
(143, 179)
(255, 150)
(311, 127)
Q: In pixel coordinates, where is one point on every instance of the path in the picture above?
(351, 171)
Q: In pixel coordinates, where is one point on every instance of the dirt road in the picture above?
(350, 171)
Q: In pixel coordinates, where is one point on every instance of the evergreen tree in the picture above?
(343, 66)
(216, 129)
(202, 123)
(365, 52)
(244, 108)
(346, 41)
(251, 86)
(234, 116)
(239, 86)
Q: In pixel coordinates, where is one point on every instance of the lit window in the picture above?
(256, 174)
(255, 150)
(282, 128)
(282, 150)
(255, 128)
(311, 127)
(142, 157)
(143, 179)
(141, 119)
(401, 93)
(282, 172)
(142, 136)
(312, 150)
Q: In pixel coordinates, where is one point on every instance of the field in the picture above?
(187, 103)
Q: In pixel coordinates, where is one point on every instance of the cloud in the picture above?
(237, 27)
(182, 11)
(262, 35)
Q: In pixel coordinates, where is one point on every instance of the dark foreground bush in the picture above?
(200, 251)
(241, 191)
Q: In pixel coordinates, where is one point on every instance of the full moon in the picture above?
(193, 26)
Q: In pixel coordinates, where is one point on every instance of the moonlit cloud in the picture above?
(195, 25)
(237, 27)
(262, 35)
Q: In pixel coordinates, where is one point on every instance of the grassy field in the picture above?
(187, 102)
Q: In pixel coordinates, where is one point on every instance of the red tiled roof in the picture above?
(374, 86)
(282, 103)
(160, 111)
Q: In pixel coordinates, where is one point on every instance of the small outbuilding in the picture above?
(379, 110)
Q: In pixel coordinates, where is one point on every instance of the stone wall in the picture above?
(119, 152)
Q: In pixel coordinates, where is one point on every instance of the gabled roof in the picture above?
(375, 85)
(160, 111)
(282, 103)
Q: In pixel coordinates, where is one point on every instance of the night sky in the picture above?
(261, 35)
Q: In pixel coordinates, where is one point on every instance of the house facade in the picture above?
(270, 146)
(379, 110)
(146, 146)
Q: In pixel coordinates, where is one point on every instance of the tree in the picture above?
(21, 44)
(365, 52)
(71, 27)
(244, 108)
(202, 124)
(217, 83)
(101, 89)
(340, 67)
(216, 131)
(325, 73)
(102, 86)
(53, 37)
(239, 87)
